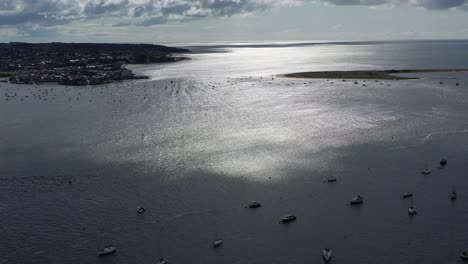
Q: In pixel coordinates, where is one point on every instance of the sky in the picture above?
(194, 21)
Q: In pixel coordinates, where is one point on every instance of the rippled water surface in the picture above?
(203, 137)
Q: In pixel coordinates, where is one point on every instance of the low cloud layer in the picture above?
(153, 12)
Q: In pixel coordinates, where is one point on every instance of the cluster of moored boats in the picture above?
(327, 253)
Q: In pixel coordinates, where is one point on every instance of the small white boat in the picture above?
(327, 254)
(254, 204)
(411, 210)
(464, 255)
(140, 210)
(356, 200)
(426, 171)
(109, 249)
(218, 243)
(162, 261)
(288, 218)
(407, 195)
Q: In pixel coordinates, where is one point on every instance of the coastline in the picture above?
(373, 75)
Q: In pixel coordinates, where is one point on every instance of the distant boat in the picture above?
(443, 162)
(327, 254)
(331, 179)
(407, 195)
(453, 196)
(162, 261)
(412, 209)
(109, 249)
(426, 172)
(464, 255)
(356, 200)
(254, 204)
(140, 210)
(218, 243)
(288, 218)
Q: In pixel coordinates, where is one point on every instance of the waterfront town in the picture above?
(78, 63)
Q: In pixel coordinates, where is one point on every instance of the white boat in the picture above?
(218, 243)
(411, 210)
(254, 204)
(109, 249)
(288, 218)
(327, 254)
(356, 200)
(407, 195)
(140, 210)
(426, 171)
(162, 261)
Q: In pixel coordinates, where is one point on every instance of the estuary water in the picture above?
(203, 137)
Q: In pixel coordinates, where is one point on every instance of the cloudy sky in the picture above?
(170, 21)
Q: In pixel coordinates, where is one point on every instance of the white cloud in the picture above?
(151, 12)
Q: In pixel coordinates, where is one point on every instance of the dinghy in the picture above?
(140, 210)
(356, 200)
(288, 218)
(464, 255)
(412, 209)
(443, 162)
(453, 196)
(407, 195)
(254, 204)
(331, 179)
(426, 172)
(218, 243)
(109, 249)
(162, 261)
(327, 254)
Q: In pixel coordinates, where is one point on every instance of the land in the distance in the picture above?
(78, 63)
(374, 75)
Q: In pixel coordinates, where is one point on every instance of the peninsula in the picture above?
(374, 75)
(79, 63)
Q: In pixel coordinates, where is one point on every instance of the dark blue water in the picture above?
(222, 130)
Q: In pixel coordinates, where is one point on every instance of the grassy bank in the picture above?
(7, 74)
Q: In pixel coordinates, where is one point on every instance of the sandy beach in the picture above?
(373, 75)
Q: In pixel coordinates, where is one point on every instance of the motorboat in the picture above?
(140, 210)
(407, 195)
(162, 261)
(109, 249)
(254, 204)
(426, 171)
(327, 254)
(356, 200)
(218, 243)
(288, 218)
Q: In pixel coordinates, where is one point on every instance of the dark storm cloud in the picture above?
(152, 12)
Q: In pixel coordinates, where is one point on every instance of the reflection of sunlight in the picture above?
(260, 62)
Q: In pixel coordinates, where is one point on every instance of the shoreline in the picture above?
(373, 75)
